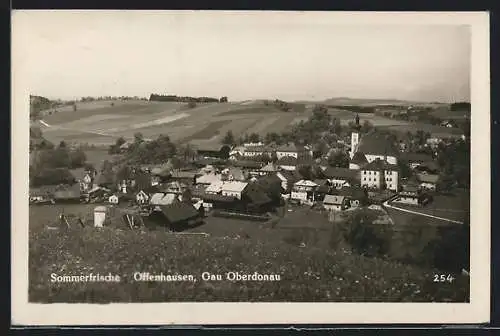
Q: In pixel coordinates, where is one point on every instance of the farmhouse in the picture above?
(356, 196)
(296, 151)
(303, 190)
(141, 197)
(341, 177)
(410, 195)
(180, 215)
(335, 203)
(188, 177)
(113, 199)
(269, 169)
(237, 152)
(217, 201)
(428, 181)
(158, 199)
(70, 194)
(289, 163)
(256, 150)
(379, 174)
(233, 189)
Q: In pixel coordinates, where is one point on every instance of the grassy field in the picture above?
(100, 123)
(312, 273)
(455, 206)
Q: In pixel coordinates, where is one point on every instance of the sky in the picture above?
(240, 55)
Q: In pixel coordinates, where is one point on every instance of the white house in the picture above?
(113, 199)
(141, 197)
(377, 173)
(335, 202)
(233, 188)
(214, 188)
(296, 151)
(255, 150)
(302, 189)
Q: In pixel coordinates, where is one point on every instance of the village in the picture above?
(263, 182)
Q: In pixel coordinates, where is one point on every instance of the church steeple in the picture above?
(357, 120)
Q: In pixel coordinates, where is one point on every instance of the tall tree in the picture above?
(228, 138)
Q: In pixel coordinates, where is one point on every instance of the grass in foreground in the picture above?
(307, 274)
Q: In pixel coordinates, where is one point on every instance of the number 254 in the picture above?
(443, 278)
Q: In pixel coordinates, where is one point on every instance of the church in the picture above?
(375, 157)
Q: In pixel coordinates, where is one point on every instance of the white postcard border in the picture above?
(477, 311)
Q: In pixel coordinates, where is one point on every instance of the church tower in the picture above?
(355, 137)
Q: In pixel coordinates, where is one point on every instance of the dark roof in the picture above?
(428, 178)
(268, 180)
(352, 192)
(416, 157)
(212, 148)
(377, 144)
(410, 188)
(320, 182)
(72, 192)
(431, 165)
(379, 165)
(183, 174)
(247, 164)
(288, 161)
(344, 173)
(359, 158)
(43, 191)
(177, 212)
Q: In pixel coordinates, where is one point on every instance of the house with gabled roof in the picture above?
(409, 195)
(341, 177)
(233, 189)
(428, 181)
(303, 191)
(289, 163)
(293, 150)
(355, 195)
(335, 202)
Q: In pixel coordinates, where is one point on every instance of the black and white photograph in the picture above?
(170, 157)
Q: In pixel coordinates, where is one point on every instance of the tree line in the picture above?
(51, 166)
(186, 99)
